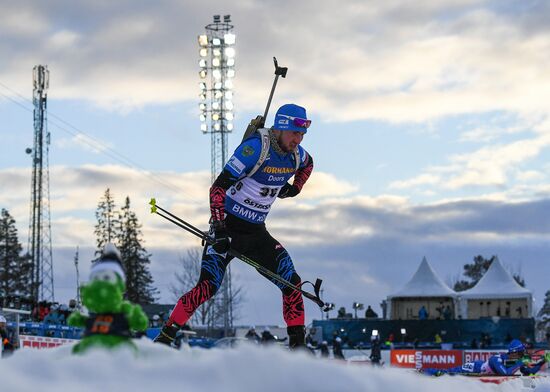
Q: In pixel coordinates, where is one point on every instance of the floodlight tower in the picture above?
(217, 70)
(39, 241)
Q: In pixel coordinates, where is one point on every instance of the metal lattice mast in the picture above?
(217, 62)
(40, 242)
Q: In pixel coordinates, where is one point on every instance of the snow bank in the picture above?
(247, 368)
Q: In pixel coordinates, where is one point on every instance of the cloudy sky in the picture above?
(431, 132)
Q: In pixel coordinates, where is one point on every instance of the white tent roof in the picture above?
(425, 283)
(497, 282)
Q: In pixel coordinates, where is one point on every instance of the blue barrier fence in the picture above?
(458, 332)
(67, 332)
(45, 329)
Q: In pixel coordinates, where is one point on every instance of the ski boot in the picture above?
(296, 337)
(167, 334)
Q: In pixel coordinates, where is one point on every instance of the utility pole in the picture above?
(77, 279)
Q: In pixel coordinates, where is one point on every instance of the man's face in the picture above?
(289, 140)
(515, 356)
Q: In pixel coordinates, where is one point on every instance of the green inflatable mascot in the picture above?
(111, 319)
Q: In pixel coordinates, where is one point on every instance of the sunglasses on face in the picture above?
(299, 122)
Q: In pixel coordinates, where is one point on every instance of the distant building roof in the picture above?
(497, 282)
(425, 283)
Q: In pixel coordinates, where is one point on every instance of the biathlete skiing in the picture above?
(256, 175)
(507, 364)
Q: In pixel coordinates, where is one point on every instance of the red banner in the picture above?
(437, 359)
(43, 341)
(480, 355)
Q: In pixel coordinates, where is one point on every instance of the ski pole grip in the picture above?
(153, 203)
(317, 287)
(317, 290)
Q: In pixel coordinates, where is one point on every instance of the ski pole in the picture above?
(209, 240)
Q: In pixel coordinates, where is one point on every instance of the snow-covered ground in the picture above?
(246, 368)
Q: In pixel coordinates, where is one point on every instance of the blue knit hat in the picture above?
(291, 117)
(516, 346)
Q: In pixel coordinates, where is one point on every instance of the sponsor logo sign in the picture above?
(479, 355)
(236, 165)
(278, 170)
(43, 341)
(437, 359)
(249, 215)
(276, 178)
(254, 204)
(247, 151)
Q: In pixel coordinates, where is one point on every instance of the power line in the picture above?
(94, 143)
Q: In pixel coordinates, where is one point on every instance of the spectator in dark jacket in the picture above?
(268, 337)
(375, 354)
(422, 313)
(447, 313)
(324, 349)
(337, 348)
(369, 313)
(7, 344)
(252, 335)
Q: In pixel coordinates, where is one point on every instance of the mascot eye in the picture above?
(107, 277)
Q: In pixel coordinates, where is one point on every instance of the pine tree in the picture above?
(15, 270)
(23, 278)
(542, 326)
(545, 310)
(107, 222)
(474, 271)
(135, 259)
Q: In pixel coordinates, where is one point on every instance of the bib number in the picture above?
(264, 192)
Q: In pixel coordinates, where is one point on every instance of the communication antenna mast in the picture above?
(40, 241)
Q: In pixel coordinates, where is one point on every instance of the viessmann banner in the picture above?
(437, 359)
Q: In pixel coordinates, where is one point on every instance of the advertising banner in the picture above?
(43, 341)
(437, 359)
(480, 355)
